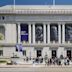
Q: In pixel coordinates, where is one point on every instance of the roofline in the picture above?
(51, 10)
(36, 12)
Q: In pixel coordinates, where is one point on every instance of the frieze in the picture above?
(38, 18)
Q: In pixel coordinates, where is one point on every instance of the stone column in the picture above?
(29, 33)
(44, 33)
(48, 33)
(33, 33)
(63, 33)
(59, 33)
(19, 35)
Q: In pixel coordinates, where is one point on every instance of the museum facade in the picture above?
(40, 29)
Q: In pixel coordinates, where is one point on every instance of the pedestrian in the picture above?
(67, 61)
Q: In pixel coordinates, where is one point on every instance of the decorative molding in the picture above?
(37, 11)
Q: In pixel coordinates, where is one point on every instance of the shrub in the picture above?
(3, 61)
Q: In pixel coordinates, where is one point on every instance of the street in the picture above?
(36, 69)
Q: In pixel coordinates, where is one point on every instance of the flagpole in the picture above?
(14, 4)
(53, 2)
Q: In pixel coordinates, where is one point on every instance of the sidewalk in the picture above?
(34, 65)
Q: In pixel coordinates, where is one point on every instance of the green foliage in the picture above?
(1, 36)
(3, 61)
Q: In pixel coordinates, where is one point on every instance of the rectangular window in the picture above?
(1, 52)
(24, 52)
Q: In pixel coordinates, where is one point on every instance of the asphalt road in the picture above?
(35, 69)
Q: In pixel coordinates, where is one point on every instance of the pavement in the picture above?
(35, 65)
(35, 68)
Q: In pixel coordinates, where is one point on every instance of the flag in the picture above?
(19, 47)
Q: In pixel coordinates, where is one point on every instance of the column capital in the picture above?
(63, 23)
(44, 23)
(29, 23)
(18, 23)
(59, 23)
(33, 23)
(48, 23)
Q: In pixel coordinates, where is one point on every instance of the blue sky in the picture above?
(35, 2)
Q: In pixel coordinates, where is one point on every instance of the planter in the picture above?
(3, 63)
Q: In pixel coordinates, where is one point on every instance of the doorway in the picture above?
(54, 53)
(39, 53)
(69, 54)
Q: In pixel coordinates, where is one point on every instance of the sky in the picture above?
(35, 2)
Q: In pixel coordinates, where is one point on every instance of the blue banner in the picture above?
(24, 32)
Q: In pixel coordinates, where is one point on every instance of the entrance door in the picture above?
(39, 53)
(54, 53)
(69, 54)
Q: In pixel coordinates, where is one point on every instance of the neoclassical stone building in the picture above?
(41, 29)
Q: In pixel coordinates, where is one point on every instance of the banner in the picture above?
(19, 47)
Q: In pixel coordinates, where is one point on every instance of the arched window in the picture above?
(2, 32)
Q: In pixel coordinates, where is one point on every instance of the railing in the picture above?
(33, 11)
